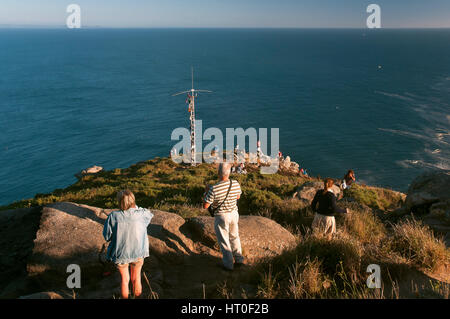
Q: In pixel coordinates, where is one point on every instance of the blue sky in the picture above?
(228, 13)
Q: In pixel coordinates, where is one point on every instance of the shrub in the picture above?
(417, 243)
(254, 201)
(305, 279)
(304, 270)
(268, 288)
(364, 225)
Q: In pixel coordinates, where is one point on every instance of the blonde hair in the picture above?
(126, 199)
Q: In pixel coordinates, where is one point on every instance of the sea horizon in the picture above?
(64, 26)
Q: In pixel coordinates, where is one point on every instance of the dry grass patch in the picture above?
(417, 243)
(364, 225)
(306, 279)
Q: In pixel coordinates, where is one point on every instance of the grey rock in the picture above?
(429, 188)
(68, 234)
(260, 237)
(307, 191)
(429, 194)
(89, 171)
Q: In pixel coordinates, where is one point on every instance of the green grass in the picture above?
(374, 197)
(162, 184)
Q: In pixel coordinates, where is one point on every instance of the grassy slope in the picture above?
(162, 184)
(317, 267)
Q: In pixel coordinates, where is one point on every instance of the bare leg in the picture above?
(136, 279)
(124, 273)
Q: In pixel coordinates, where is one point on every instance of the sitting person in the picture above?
(324, 205)
(126, 230)
(303, 172)
(348, 180)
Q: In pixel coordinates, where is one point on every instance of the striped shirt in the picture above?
(218, 192)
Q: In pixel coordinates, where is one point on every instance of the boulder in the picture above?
(307, 191)
(202, 228)
(429, 195)
(68, 234)
(92, 170)
(429, 191)
(165, 236)
(71, 233)
(88, 171)
(260, 237)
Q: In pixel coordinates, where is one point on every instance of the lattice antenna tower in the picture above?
(191, 95)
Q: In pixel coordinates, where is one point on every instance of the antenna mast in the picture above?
(191, 95)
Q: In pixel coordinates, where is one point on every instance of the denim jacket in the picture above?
(127, 233)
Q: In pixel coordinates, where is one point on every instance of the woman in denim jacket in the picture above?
(126, 230)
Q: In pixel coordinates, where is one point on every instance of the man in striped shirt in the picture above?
(226, 216)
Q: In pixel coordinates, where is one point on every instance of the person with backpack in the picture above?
(324, 205)
(221, 201)
(126, 230)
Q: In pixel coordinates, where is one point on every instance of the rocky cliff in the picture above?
(184, 254)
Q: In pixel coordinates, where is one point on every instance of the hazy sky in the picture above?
(228, 13)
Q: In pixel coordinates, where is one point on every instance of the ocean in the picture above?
(375, 101)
